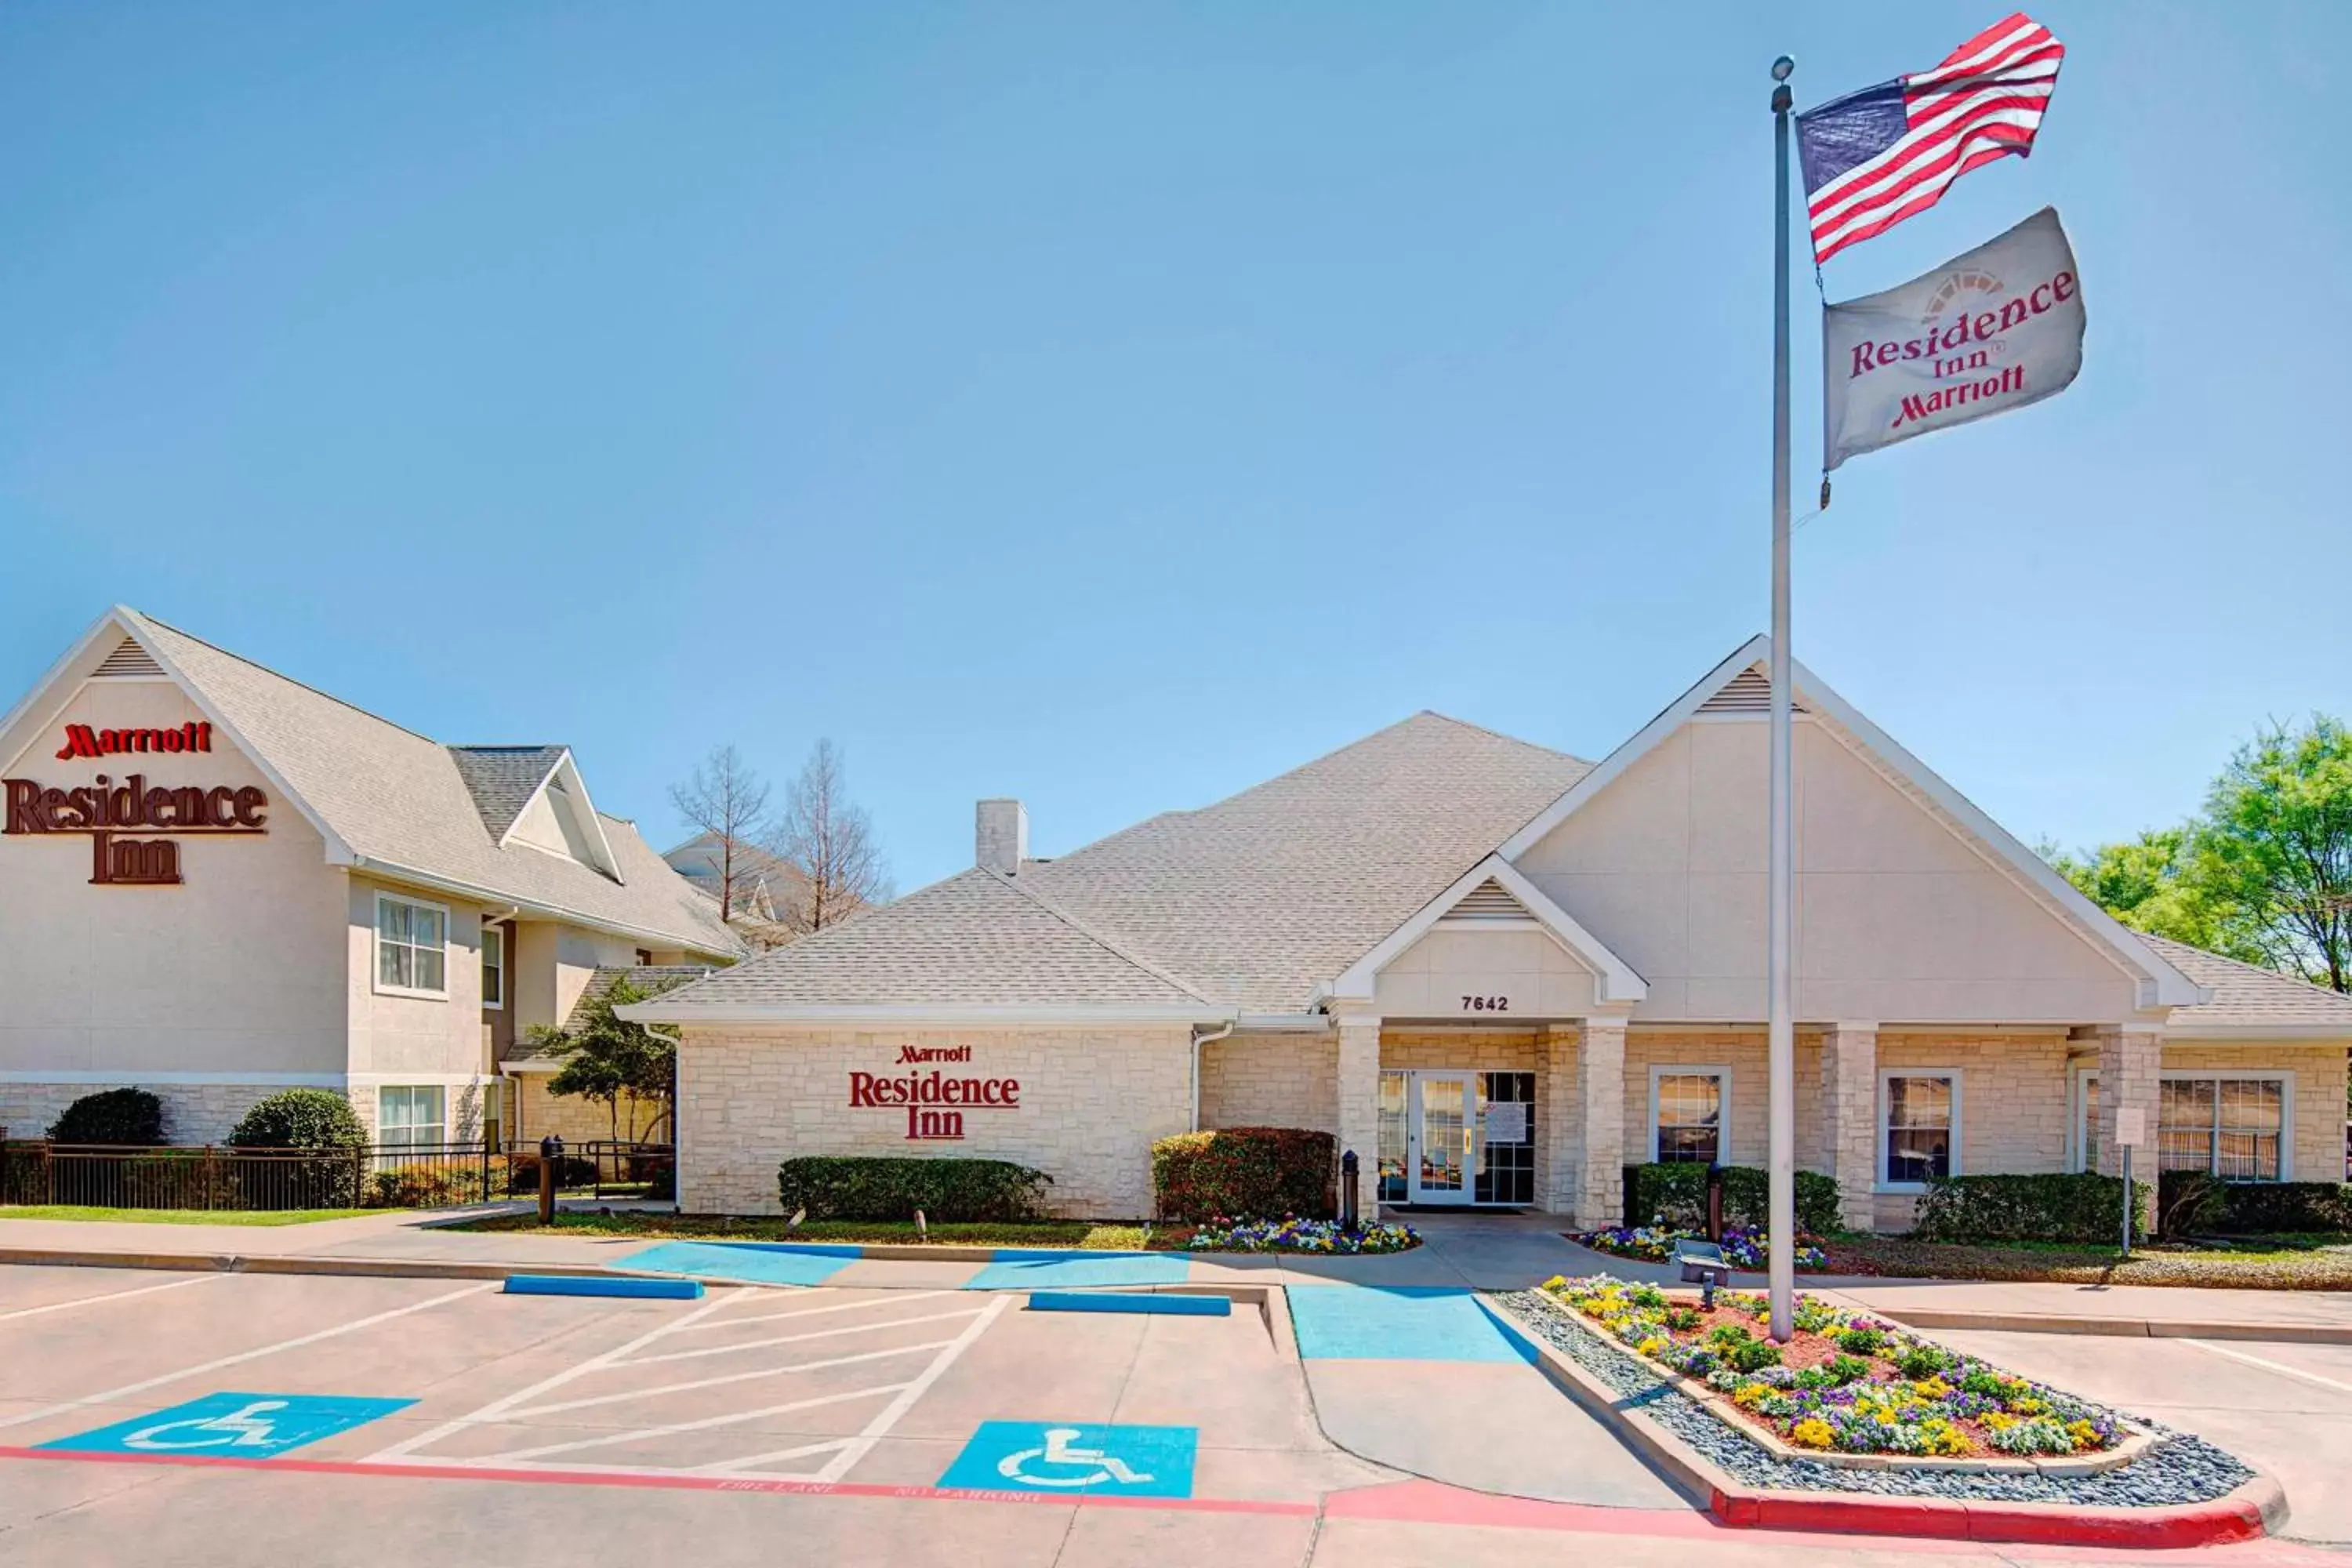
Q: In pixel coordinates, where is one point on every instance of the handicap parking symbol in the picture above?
(233, 1426)
(1071, 1458)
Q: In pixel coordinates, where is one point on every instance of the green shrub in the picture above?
(1751, 1355)
(1845, 1368)
(1676, 1194)
(2189, 1203)
(300, 1119)
(1244, 1172)
(2255, 1208)
(522, 1174)
(1924, 1362)
(2083, 1207)
(1861, 1342)
(423, 1186)
(949, 1191)
(130, 1116)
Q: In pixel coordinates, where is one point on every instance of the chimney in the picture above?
(1001, 835)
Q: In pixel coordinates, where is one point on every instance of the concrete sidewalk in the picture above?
(1477, 1252)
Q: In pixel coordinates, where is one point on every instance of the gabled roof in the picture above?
(388, 800)
(2248, 1001)
(503, 780)
(969, 947)
(2160, 983)
(1614, 981)
(1258, 899)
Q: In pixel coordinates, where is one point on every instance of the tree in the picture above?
(729, 801)
(607, 1059)
(2263, 874)
(830, 843)
(2277, 842)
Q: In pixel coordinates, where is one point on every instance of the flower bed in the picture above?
(1293, 1234)
(1844, 1383)
(1743, 1245)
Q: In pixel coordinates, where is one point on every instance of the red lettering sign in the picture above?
(104, 809)
(927, 1095)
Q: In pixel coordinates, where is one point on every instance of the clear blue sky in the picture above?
(1113, 404)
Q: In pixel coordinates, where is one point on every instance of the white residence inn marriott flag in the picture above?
(1991, 331)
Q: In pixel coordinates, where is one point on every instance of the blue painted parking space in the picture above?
(1071, 1459)
(1078, 1270)
(1404, 1322)
(233, 1426)
(751, 1264)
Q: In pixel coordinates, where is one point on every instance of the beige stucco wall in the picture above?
(553, 965)
(1461, 971)
(1093, 1101)
(1897, 916)
(238, 969)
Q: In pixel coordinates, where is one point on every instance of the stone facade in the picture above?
(193, 1113)
(2318, 1092)
(1846, 1123)
(535, 1113)
(1092, 1102)
(1271, 1080)
(1359, 1079)
(1601, 1085)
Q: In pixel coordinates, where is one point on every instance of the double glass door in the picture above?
(1429, 1136)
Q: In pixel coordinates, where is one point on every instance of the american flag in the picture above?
(1873, 158)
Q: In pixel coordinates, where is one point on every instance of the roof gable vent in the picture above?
(129, 662)
(1749, 691)
(1489, 900)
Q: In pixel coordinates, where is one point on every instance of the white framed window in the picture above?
(2233, 1125)
(411, 939)
(494, 967)
(1918, 1127)
(411, 1116)
(1690, 1114)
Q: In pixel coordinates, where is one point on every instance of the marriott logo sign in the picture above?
(110, 811)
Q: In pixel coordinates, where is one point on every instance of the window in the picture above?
(409, 1116)
(494, 967)
(1687, 1106)
(2232, 1126)
(1919, 1126)
(409, 943)
(2229, 1127)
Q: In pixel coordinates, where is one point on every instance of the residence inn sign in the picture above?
(108, 810)
(934, 1101)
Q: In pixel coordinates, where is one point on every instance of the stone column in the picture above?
(1600, 1099)
(1560, 1118)
(1849, 1118)
(2130, 1061)
(1359, 1105)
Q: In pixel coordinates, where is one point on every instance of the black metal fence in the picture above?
(383, 1175)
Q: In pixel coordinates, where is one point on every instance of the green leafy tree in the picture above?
(2263, 874)
(608, 1059)
(2277, 845)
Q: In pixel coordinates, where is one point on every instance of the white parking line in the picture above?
(2279, 1367)
(797, 1339)
(879, 1427)
(623, 1398)
(731, 1418)
(142, 1386)
(108, 1296)
(894, 1298)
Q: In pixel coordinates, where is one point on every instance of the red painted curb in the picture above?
(2235, 1517)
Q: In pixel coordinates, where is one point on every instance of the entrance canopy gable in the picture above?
(1493, 937)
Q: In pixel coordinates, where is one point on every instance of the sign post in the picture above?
(2131, 1131)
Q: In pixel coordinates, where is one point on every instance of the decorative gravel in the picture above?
(2179, 1469)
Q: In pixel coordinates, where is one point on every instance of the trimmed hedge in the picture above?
(2191, 1203)
(951, 1191)
(2085, 1207)
(1244, 1172)
(300, 1119)
(1675, 1193)
(128, 1116)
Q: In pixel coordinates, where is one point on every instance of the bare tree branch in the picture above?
(831, 842)
(728, 800)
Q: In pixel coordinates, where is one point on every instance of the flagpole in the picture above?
(1780, 1041)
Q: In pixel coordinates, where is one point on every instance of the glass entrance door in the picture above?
(1444, 1135)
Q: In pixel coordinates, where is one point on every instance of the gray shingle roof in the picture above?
(1256, 899)
(400, 800)
(974, 940)
(1250, 902)
(502, 779)
(2246, 996)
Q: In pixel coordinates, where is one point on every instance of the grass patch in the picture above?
(179, 1216)
(2268, 1263)
(1074, 1234)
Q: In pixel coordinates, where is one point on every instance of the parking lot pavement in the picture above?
(2279, 1406)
